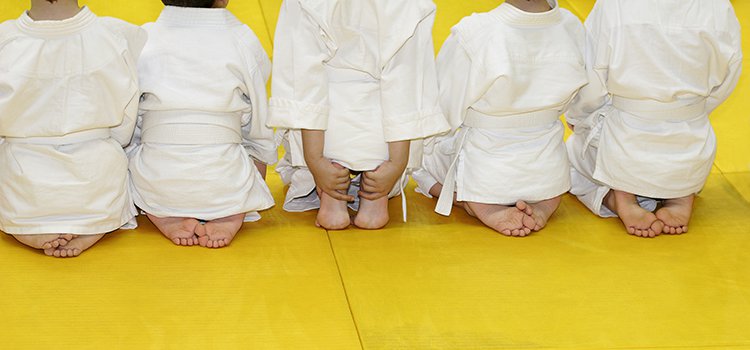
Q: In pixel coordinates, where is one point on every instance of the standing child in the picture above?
(642, 132)
(68, 103)
(202, 128)
(505, 78)
(356, 80)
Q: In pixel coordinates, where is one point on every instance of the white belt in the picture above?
(475, 119)
(480, 120)
(191, 128)
(75, 137)
(671, 111)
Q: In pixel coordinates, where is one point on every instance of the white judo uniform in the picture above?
(363, 71)
(657, 69)
(202, 117)
(505, 78)
(68, 104)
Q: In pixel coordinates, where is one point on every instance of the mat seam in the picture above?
(346, 293)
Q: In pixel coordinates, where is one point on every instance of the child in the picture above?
(505, 78)
(657, 70)
(356, 80)
(202, 118)
(68, 103)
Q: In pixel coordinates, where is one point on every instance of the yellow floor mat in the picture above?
(741, 182)
(277, 287)
(450, 283)
(432, 283)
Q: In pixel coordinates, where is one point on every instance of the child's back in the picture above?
(203, 77)
(659, 68)
(505, 78)
(68, 103)
(362, 73)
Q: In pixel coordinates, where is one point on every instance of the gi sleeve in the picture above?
(594, 95)
(733, 51)
(136, 40)
(409, 91)
(300, 85)
(257, 138)
(456, 79)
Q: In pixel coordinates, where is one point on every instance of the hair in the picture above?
(189, 3)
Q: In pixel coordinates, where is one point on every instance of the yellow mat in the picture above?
(432, 283)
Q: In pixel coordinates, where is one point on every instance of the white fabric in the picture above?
(203, 76)
(656, 71)
(505, 77)
(68, 104)
(301, 195)
(363, 71)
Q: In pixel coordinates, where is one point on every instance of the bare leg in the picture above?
(675, 213)
(508, 220)
(333, 214)
(373, 214)
(74, 247)
(540, 212)
(181, 231)
(435, 192)
(219, 233)
(637, 221)
(44, 241)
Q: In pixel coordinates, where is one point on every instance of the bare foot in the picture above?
(638, 221)
(44, 241)
(540, 212)
(74, 247)
(675, 213)
(373, 214)
(219, 233)
(333, 214)
(502, 218)
(181, 231)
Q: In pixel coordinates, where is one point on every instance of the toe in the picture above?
(529, 222)
(506, 232)
(524, 207)
(203, 241)
(49, 252)
(176, 241)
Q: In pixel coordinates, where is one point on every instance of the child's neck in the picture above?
(530, 5)
(44, 10)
